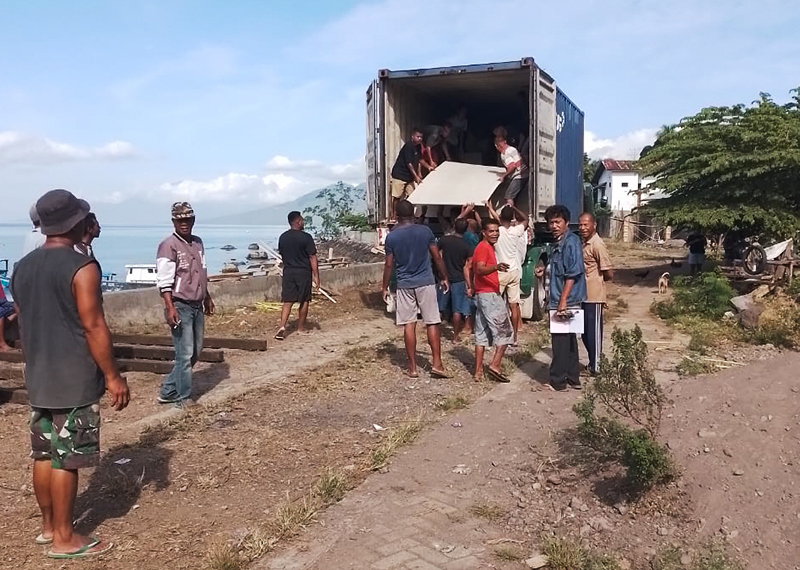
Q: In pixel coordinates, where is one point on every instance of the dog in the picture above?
(663, 283)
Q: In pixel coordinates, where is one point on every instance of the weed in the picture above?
(256, 544)
(712, 556)
(293, 515)
(693, 366)
(627, 390)
(622, 303)
(399, 436)
(508, 554)
(566, 554)
(224, 557)
(331, 486)
(488, 511)
(457, 402)
(706, 295)
(778, 324)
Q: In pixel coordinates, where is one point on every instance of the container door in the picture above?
(543, 102)
(569, 155)
(376, 202)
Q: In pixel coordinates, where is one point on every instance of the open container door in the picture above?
(376, 192)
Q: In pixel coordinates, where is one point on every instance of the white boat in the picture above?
(142, 273)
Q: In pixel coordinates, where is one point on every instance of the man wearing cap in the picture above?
(34, 239)
(69, 364)
(183, 284)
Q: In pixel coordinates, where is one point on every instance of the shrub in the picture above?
(779, 324)
(706, 295)
(627, 390)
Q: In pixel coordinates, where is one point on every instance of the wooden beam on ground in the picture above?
(208, 342)
(11, 356)
(13, 395)
(154, 366)
(11, 373)
(162, 353)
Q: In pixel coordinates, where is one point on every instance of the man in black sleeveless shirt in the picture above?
(69, 364)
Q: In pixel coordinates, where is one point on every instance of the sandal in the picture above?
(497, 376)
(83, 552)
(281, 334)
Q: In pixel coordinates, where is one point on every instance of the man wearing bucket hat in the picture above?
(183, 283)
(69, 364)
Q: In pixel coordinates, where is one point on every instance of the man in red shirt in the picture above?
(492, 325)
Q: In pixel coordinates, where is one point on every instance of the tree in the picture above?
(730, 168)
(336, 213)
(589, 168)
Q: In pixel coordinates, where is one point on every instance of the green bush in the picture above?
(706, 295)
(628, 393)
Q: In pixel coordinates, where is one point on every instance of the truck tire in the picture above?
(539, 293)
(754, 260)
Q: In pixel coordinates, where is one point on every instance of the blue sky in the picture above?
(135, 104)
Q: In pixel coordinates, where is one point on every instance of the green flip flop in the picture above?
(83, 552)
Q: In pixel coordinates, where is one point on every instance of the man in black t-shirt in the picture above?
(300, 270)
(696, 243)
(406, 171)
(457, 256)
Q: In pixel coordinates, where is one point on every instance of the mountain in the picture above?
(276, 215)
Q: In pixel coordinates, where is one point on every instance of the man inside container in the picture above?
(516, 174)
(438, 145)
(410, 248)
(183, 284)
(406, 171)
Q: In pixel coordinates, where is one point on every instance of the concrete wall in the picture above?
(146, 306)
(370, 238)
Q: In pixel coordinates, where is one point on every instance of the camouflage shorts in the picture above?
(69, 438)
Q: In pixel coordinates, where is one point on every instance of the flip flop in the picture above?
(41, 540)
(497, 376)
(281, 334)
(439, 373)
(83, 552)
(412, 374)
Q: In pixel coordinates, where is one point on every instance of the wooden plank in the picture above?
(155, 366)
(13, 396)
(209, 341)
(11, 373)
(11, 356)
(162, 353)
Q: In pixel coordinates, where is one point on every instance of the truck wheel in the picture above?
(754, 260)
(539, 294)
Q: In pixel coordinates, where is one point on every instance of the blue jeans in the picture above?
(187, 338)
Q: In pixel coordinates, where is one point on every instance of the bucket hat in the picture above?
(60, 211)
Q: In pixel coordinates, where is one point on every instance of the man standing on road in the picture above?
(409, 249)
(516, 170)
(598, 271)
(406, 172)
(183, 283)
(567, 292)
(696, 243)
(492, 325)
(457, 255)
(91, 233)
(300, 272)
(507, 251)
(69, 364)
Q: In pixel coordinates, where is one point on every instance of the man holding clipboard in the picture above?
(567, 294)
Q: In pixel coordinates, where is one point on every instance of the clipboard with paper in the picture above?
(564, 326)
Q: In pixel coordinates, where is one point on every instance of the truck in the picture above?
(518, 95)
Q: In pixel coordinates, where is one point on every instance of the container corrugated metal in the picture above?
(569, 155)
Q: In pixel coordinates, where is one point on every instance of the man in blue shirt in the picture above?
(409, 249)
(567, 293)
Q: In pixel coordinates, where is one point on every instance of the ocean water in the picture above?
(121, 245)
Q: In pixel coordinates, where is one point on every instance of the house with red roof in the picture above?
(621, 186)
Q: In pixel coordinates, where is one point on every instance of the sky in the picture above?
(234, 105)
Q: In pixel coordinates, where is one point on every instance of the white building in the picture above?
(622, 186)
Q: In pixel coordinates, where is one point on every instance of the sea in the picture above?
(118, 246)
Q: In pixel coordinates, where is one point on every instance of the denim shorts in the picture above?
(455, 300)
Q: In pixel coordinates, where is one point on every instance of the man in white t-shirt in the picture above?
(507, 250)
(516, 170)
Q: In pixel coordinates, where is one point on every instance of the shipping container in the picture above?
(569, 155)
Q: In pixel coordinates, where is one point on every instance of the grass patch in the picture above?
(397, 437)
(621, 303)
(566, 554)
(508, 554)
(488, 511)
(779, 323)
(224, 557)
(294, 515)
(694, 366)
(706, 295)
(451, 403)
(711, 556)
(331, 486)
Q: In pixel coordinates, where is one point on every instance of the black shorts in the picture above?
(296, 286)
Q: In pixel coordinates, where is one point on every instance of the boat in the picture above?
(141, 273)
(228, 247)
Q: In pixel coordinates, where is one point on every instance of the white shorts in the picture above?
(509, 284)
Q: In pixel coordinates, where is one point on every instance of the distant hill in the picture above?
(276, 215)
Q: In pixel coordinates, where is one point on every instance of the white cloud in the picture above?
(23, 148)
(284, 180)
(624, 147)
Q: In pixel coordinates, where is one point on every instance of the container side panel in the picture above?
(375, 189)
(545, 144)
(569, 161)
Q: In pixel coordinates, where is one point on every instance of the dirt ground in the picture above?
(269, 424)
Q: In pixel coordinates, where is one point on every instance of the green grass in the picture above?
(694, 366)
(488, 511)
(331, 486)
(567, 554)
(451, 403)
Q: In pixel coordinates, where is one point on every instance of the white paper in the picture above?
(457, 183)
(574, 325)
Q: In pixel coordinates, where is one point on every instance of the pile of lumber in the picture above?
(134, 353)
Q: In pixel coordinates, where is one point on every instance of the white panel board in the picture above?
(457, 183)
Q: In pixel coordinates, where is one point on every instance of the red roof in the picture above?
(618, 165)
